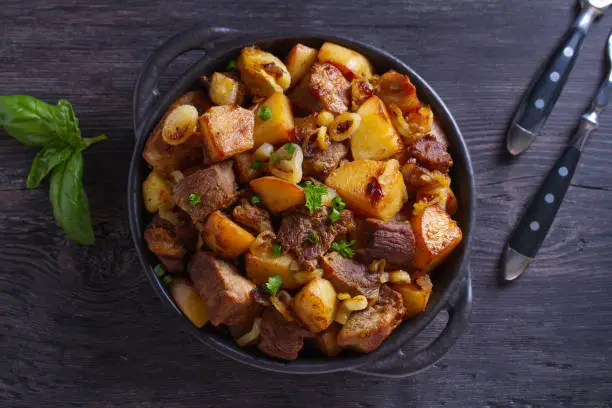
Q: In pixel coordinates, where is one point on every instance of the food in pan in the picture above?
(302, 202)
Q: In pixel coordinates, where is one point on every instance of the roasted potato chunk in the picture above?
(299, 61)
(315, 304)
(262, 72)
(226, 90)
(225, 237)
(262, 264)
(157, 193)
(375, 138)
(436, 235)
(189, 301)
(415, 294)
(227, 130)
(279, 128)
(350, 62)
(278, 195)
(370, 188)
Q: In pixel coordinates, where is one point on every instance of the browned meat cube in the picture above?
(350, 276)
(396, 89)
(162, 240)
(321, 162)
(165, 158)
(324, 88)
(226, 131)
(243, 163)
(279, 337)
(310, 236)
(367, 329)
(392, 241)
(305, 126)
(210, 189)
(226, 293)
(252, 217)
(415, 176)
(431, 154)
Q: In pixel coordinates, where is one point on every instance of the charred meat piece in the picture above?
(206, 191)
(279, 337)
(431, 154)
(348, 275)
(320, 163)
(305, 126)
(243, 165)
(226, 293)
(367, 329)
(252, 217)
(396, 89)
(310, 236)
(165, 158)
(162, 240)
(392, 241)
(415, 176)
(323, 88)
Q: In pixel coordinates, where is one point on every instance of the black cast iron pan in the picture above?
(399, 355)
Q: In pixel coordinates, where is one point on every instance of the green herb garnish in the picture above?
(255, 200)
(276, 250)
(344, 248)
(334, 215)
(289, 148)
(273, 285)
(314, 195)
(313, 238)
(54, 128)
(159, 271)
(338, 203)
(167, 279)
(256, 165)
(194, 199)
(274, 157)
(265, 113)
(231, 65)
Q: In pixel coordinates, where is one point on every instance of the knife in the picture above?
(531, 230)
(544, 91)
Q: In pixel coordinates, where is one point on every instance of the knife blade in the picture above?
(544, 91)
(529, 234)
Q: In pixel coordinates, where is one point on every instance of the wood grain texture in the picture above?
(80, 327)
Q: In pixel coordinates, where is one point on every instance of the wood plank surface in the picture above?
(81, 327)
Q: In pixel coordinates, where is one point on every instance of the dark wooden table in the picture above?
(80, 326)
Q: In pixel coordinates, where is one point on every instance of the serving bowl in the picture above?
(399, 355)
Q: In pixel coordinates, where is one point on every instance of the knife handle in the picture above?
(539, 216)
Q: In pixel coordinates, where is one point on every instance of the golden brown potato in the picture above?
(262, 72)
(415, 295)
(225, 90)
(278, 195)
(315, 304)
(299, 61)
(225, 237)
(350, 62)
(436, 235)
(370, 188)
(227, 130)
(375, 138)
(279, 128)
(189, 301)
(245, 170)
(327, 341)
(260, 265)
(156, 193)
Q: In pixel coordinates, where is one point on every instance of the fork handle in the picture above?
(542, 95)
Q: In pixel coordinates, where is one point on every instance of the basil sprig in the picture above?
(54, 128)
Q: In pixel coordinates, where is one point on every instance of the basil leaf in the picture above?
(38, 124)
(69, 201)
(88, 141)
(45, 161)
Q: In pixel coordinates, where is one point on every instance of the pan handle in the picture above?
(403, 363)
(198, 37)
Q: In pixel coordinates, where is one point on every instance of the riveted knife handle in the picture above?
(539, 216)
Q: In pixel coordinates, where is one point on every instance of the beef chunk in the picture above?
(431, 154)
(305, 126)
(162, 240)
(366, 330)
(348, 275)
(226, 293)
(279, 337)
(396, 89)
(392, 241)
(415, 176)
(320, 163)
(296, 228)
(242, 166)
(252, 217)
(323, 88)
(165, 158)
(215, 186)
